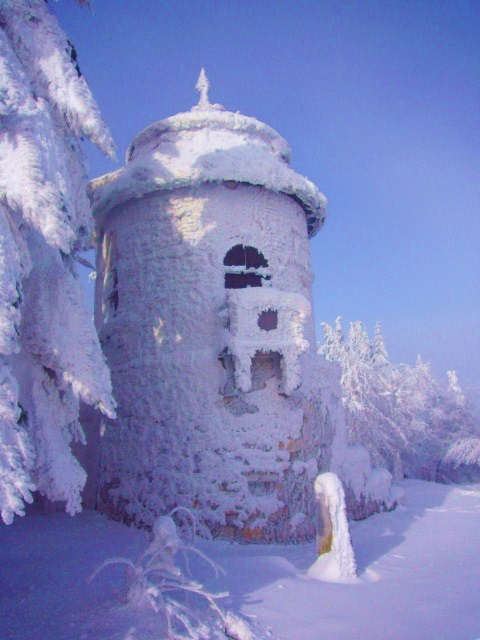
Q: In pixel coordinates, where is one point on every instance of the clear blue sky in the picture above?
(380, 101)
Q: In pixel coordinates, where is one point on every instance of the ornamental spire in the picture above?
(202, 87)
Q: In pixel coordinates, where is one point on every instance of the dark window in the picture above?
(236, 256)
(254, 259)
(261, 487)
(248, 258)
(268, 320)
(110, 283)
(113, 295)
(243, 280)
(231, 518)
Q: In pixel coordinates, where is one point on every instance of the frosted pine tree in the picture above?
(333, 346)
(454, 387)
(379, 350)
(50, 358)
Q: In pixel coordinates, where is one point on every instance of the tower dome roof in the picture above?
(215, 118)
(207, 144)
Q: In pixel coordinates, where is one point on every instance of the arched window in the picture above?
(244, 267)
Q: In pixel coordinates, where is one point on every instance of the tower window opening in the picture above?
(112, 297)
(231, 518)
(110, 283)
(261, 487)
(244, 261)
(268, 320)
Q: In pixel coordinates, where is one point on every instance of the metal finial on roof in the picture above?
(202, 87)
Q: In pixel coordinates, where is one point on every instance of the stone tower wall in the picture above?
(243, 461)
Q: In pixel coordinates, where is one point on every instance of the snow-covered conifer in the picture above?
(50, 356)
(454, 386)
(332, 347)
(379, 350)
(358, 342)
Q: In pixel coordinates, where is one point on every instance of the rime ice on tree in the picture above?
(50, 357)
(203, 306)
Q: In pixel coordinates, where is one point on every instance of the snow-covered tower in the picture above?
(203, 306)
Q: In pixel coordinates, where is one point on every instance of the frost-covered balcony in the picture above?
(266, 320)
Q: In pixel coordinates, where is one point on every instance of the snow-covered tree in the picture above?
(333, 347)
(454, 387)
(365, 392)
(464, 451)
(379, 350)
(400, 413)
(50, 358)
(434, 416)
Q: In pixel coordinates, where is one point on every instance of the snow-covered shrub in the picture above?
(367, 489)
(157, 582)
(50, 357)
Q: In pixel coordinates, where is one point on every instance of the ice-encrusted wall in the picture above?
(243, 461)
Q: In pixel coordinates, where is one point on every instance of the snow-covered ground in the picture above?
(419, 577)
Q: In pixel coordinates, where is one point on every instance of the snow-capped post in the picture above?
(336, 562)
(325, 527)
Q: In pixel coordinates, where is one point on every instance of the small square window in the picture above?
(268, 320)
(261, 487)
